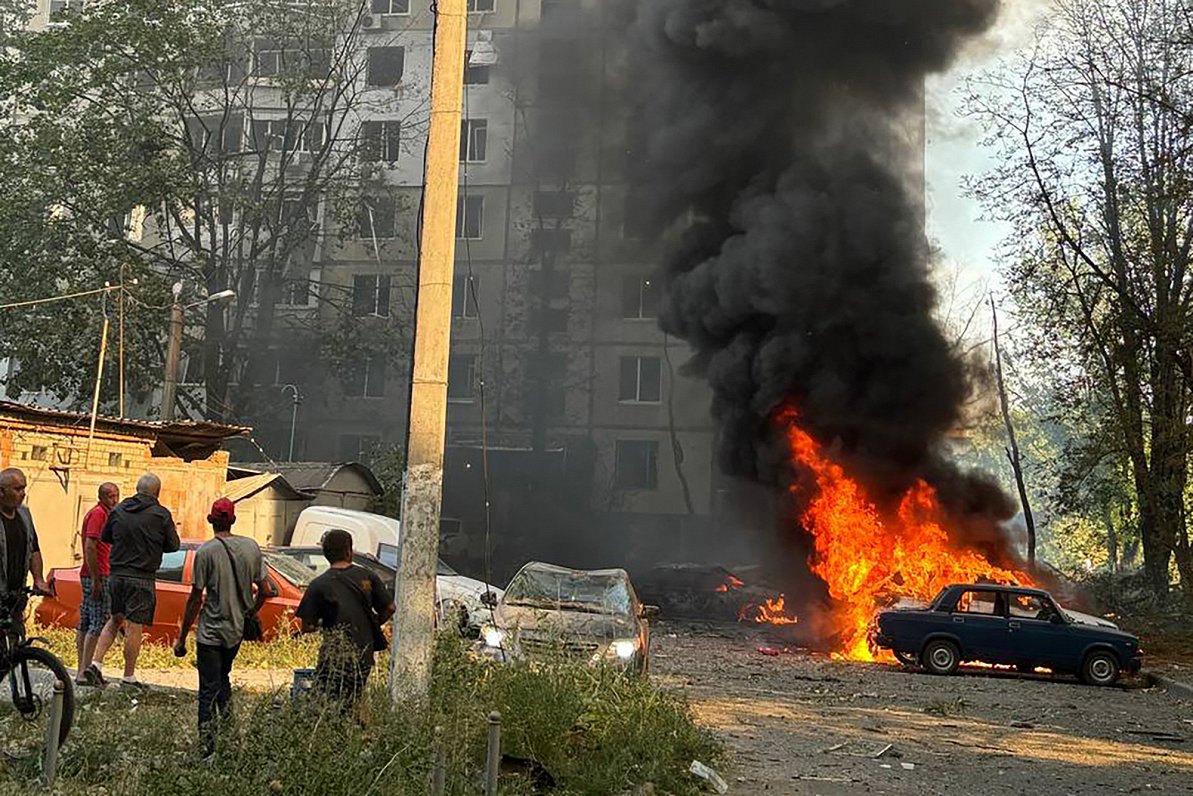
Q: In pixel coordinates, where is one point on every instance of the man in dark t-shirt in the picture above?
(20, 553)
(350, 605)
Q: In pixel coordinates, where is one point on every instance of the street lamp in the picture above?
(293, 416)
(174, 347)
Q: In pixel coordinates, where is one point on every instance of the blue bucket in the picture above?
(304, 680)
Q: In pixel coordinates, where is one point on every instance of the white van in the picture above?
(371, 533)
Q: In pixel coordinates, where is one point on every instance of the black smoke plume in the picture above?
(782, 143)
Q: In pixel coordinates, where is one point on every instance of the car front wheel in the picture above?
(1100, 668)
(941, 657)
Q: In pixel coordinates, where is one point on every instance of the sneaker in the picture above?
(94, 672)
(132, 685)
(87, 678)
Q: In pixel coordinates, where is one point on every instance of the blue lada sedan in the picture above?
(1006, 625)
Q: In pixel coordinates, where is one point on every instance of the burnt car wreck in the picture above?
(593, 616)
(1005, 625)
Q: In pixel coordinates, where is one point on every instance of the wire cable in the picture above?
(52, 299)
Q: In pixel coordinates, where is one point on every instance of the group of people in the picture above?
(123, 545)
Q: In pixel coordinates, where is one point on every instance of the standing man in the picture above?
(139, 529)
(350, 604)
(20, 553)
(226, 568)
(94, 610)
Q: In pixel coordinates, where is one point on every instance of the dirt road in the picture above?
(802, 724)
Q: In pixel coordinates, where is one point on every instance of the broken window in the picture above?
(386, 65)
(479, 6)
(358, 447)
(475, 74)
(474, 140)
(637, 464)
(978, 602)
(464, 299)
(381, 141)
(390, 6)
(378, 217)
(366, 379)
(461, 377)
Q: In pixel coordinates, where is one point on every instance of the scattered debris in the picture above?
(1023, 725)
(871, 753)
(812, 778)
(1157, 735)
(908, 766)
(708, 775)
(771, 651)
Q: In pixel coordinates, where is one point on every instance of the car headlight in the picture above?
(492, 636)
(624, 648)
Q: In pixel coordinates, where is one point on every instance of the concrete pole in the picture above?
(173, 353)
(414, 623)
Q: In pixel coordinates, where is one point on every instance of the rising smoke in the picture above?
(784, 142)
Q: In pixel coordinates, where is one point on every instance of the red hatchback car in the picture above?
(287, 580)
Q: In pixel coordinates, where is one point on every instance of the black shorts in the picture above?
(133, 598)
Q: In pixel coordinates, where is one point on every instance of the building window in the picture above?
(637, 464)
(633, 219)
(370, 295)
(358, 447)
(366, 379)
(551, 240)
(639, 298)
(301, 292)
(288, 135)
(555, 204)
(299, 214)
(390, 6)
(640, 381)
(553, 283)
(470, 217)
(381, 141)
(461, 378)
(475, 74)
(464, 296)
(552, 320)
(267, 61)
(480, 6)
(474, 140)
(385, 66)
(39, 453)
(378, 217)
(192, 365)
(63, 10)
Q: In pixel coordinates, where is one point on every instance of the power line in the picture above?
(51, 299)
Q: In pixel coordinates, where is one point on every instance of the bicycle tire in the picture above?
(48, 659)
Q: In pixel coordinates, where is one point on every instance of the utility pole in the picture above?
(173, 353)
(414, 622)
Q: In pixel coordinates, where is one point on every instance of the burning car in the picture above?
(1005, 625)
(701, 591)
(589, 615)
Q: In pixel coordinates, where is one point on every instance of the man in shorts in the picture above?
(139, 529)
(94, 610)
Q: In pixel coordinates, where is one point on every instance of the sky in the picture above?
(955, 221)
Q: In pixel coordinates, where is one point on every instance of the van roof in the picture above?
(336, 511)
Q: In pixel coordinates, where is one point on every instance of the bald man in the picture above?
(20, 553)
(140, 530)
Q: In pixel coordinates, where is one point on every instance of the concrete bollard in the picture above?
(49, 766)
(493, 760)
(438, 771)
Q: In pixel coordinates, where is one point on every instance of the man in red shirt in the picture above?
(95, 606)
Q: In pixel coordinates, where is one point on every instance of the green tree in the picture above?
(215, 144)
(1091, 128)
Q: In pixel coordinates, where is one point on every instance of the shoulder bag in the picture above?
(252, 623)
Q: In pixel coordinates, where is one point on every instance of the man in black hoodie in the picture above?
(139, 529)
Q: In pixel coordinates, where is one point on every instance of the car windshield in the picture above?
(565, 590)
(290, 569)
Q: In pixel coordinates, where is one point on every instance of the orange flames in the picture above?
(867, 557)
(730, 583)
(771, 612)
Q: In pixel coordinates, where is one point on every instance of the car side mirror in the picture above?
(649, 612)
(1056, 619)
(489, 598)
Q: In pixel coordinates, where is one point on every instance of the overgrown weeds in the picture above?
(592, 730)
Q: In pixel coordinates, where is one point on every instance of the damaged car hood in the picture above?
(544, 623)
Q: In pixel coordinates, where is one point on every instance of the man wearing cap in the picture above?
(226, 568)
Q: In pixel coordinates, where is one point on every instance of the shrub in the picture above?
(595, 731)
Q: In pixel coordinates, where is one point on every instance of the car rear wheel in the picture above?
(1100, 668)
(941, 657)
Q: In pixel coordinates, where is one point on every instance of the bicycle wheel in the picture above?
(27, 690)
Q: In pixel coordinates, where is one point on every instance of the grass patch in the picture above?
(595, 731)
(284, 652)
